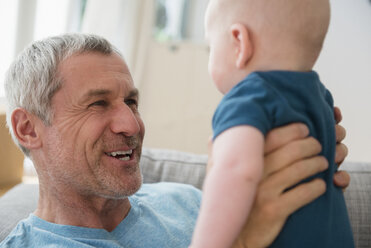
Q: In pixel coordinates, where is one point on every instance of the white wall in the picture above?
(178, 98)
(345, 68)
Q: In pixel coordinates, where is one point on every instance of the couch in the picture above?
(166, 165)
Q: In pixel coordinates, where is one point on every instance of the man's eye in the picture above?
(132, 103)
(99, 103)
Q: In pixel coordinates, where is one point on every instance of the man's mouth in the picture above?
(121, 155)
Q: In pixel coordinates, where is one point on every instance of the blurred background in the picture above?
(163, 44)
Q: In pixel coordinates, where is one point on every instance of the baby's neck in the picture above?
(288, 61)
(273, 60)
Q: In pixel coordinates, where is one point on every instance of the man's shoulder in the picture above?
(19, 236)
(166, 200)
(170, 191)
(165, 212)
(169, 187)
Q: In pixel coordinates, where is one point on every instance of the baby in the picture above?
(261, 57)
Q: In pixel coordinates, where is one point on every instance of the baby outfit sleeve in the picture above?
(252, 102)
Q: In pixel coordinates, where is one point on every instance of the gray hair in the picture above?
(32, 79)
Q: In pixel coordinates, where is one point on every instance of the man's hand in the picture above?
(341, 178)
(290, 156)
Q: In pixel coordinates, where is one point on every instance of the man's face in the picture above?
(94, 143)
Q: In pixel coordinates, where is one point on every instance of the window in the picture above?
(179, 20)
(22, 22)
(8, 15)
(57, 17)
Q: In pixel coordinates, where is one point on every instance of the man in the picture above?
(73, 109)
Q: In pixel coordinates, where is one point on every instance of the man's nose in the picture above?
(124, 121)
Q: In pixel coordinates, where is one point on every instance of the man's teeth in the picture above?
(129, 152)
(126, 154)
(124, 158)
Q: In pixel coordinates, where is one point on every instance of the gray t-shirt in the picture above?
(162, 215)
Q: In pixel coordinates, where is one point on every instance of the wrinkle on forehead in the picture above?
(93, 71)
(94, 62)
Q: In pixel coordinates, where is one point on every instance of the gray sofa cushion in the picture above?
(164, 165)
(173, 166)
(16, 205)
(358, 200)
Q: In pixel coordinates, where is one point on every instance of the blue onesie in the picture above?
(161, 215)
(266, 100)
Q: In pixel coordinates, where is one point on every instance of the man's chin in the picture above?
(124, 191)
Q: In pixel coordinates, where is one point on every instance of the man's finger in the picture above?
(341, 152)
(301, 195)
(290, 153)
(340, 133)
(341, 179)
(283, 135)
(297, 172)
(337, 114)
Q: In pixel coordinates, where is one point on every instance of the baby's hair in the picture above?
(301, 22)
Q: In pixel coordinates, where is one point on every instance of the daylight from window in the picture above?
(50, 18)
(8, 10)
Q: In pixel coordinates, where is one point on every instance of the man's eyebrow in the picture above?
(134, 93)
(95, 93)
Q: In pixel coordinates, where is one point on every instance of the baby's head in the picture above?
(250, 35)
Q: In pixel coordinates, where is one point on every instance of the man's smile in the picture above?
(121, 155)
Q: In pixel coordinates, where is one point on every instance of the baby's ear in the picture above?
(25, 128)
(242, 44)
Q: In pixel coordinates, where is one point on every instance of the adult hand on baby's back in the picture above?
(341, 178)
(290, 156)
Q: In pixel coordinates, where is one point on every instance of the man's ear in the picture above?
(25, 128)
(242, 44)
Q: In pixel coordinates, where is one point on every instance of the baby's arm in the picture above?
(230, 186)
